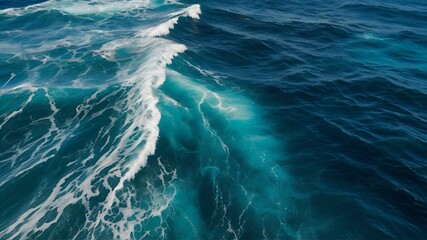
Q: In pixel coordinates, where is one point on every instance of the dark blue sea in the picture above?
(213, 119)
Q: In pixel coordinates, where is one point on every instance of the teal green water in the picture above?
(101, 140)
(146, 119)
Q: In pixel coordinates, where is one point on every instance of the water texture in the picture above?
(142, 119)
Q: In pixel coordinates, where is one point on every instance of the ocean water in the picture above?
(141, 119)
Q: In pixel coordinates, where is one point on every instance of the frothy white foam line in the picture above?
(175, 103)
(41, 149)
(24, 10)
(17, 151)
(206, 124)
(13, 114)
(54, 135)
(162, 29)
(207, 73)
(12, 75)
(193, 11)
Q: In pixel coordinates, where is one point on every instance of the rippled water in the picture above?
(213, 119)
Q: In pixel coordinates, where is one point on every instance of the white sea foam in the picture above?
(12, 75)
(160, 30)
(15, 113)
(193, 11)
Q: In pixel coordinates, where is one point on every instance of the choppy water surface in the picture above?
(208, 119)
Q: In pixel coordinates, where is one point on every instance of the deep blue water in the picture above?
(211, 119)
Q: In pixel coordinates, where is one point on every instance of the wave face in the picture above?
(144, 119)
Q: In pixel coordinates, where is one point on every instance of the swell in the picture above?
(350, 127)
(345, 86)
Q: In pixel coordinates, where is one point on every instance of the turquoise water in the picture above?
(147, 119)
